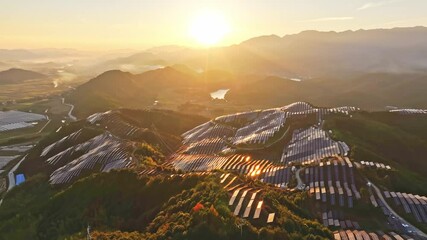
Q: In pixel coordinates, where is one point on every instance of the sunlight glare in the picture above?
(209, 27)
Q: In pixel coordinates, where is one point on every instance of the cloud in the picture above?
(375, 4)
(327, 19)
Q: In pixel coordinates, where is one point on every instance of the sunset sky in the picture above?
(138, 24)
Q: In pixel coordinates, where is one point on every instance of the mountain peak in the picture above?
(113, 74)
(15, 75)
(263, 39)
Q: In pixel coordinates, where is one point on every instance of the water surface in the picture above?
(219, 94)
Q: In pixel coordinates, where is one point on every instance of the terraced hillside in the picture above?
(289, 148)
(281, 173)
(394, 139)
(106, 141)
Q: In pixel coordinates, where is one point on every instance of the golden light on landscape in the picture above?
(209, 27)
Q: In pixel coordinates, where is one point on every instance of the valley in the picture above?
(114, 125)
(256, 158)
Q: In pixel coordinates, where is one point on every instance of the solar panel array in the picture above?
(56, 146)
(409, 111)
(11, 120)
(412, 204)
(311, 145)
(361, 234)
(238, 117)
(98, 117)
(101, 153)
(112, 121)
(258, 126)
(205, 146)
(17, 116)
(262, 169)
(333, 182)
(375, 165)
(261, 129)
(245, 201)
(334, 218)
(207, 130)
(197, 162)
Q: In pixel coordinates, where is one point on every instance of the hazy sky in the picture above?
(138, 24)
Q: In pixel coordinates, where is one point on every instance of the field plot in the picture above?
(4, 160)
(29, 89)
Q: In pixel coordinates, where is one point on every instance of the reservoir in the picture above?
(219, 94)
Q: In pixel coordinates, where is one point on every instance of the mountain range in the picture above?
(289, 153)
(306, 55)
(374, 91)
(366, 68)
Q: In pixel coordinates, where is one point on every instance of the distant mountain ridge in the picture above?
(16, 75)
(307, 54)
(370, 69)
(314, 53)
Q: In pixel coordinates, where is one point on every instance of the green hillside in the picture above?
(367, 91)
(156, 208)
(400, 141)
(172, 87)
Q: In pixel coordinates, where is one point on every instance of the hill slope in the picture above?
(15, 75)
(369, 91)
(400, 141)
(192, 207)
(105, 141)
(263, 174)
(114, 89)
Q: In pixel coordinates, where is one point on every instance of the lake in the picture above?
(219, 94)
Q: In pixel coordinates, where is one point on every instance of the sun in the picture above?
(209, 27)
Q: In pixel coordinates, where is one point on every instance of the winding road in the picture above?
(70, 115)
